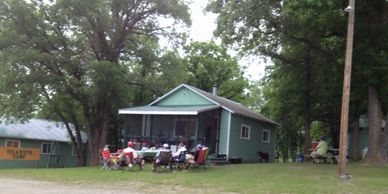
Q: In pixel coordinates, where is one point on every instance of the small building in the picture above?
(193, 116)
(36, 143)
(361, 138)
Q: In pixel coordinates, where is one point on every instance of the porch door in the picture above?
(212, 136)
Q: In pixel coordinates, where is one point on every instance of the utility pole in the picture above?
(346, 92)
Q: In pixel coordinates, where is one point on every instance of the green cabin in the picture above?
(193, 116)
(36, 143)
(358, 143)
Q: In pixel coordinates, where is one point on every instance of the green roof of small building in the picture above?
(37, 129)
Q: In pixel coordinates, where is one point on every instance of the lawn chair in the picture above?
(118, 162)
(180, 161)
(202, 158)
(105, 160)
(163, 160)
(130, 160)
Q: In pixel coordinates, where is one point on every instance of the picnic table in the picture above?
(331, 157)
(148, 155)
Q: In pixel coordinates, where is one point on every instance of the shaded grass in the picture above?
(242, 178)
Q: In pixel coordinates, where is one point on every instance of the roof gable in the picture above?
(182, 96)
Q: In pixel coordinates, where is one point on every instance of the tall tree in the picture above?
(300, 35)
(209, 65)
(371, 51)
(72, 56)
(153, 67)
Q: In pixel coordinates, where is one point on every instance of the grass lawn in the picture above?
(241, 178)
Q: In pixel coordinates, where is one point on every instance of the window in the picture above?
(12, 143)
(46, 148)
(73, 151)
(245, 132)
(265, 136)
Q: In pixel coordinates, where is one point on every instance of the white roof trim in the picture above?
(228, 136)
(188, 87)
(144, 112)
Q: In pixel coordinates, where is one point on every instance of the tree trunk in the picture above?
(384, 141)
(374, 125)
(307, 111)
(334, 131)
(96, 141)
(356, 139)
(94, 146)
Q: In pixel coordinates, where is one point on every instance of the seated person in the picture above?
(119, 158)
(321, 149)
(144, 146)
(105, 158)
(128, 150)
(181, 149)
(163, 157)
(106, 153)
(196, 152)
(163, 149)
(152, 146)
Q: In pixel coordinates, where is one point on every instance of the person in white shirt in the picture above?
(181, 148)
(163, 149)
(130, 149)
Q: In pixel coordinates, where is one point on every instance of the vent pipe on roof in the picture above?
(214, 92)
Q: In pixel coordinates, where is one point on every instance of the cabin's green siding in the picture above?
(247, 149)
(61, 158)
(363, 141)
(184, 97)
(223, 138)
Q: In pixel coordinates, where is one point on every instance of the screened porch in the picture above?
(156, 129)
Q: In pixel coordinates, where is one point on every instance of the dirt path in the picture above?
(15, 186)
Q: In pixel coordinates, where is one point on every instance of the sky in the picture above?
(203, 25)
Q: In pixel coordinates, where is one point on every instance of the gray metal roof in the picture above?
(167, 110)
(37, 129)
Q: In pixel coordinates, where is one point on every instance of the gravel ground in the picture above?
(15, 186)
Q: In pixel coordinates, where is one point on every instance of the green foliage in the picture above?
(152, 67)
(72, 60)
(254, 98)
(306, 42)
(318, 129)
(210, 66)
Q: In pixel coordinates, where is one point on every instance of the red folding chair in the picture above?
(106, 160)
(130, 160)
(202, 158)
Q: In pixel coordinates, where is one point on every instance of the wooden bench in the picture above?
(325, 159)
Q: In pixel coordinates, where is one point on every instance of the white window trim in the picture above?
(185, 119)
(41, 148)
(73, 152)
(6, 140)
(269, 136)
(249, 131)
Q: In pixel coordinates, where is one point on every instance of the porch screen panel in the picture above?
(185, 129)
(134, 126)
(208, 129)
(161, 128)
